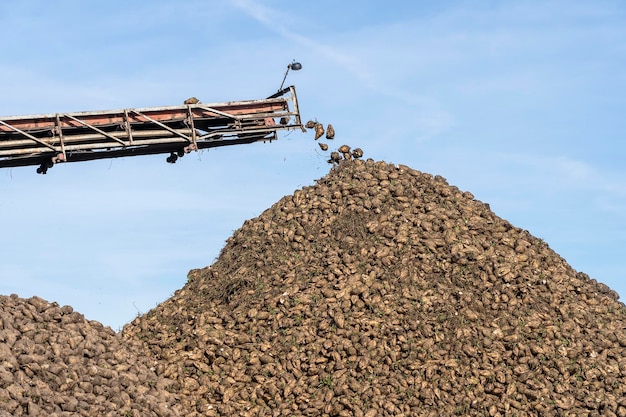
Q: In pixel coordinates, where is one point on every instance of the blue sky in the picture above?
(521, 103)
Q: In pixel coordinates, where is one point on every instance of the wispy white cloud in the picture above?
(276, 20)
(418, 115)
(555, 177)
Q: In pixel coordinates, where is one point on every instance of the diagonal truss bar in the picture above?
(29, 136)
(164, 126)
(221, 113)
(102, 132)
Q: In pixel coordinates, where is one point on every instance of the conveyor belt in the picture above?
(47, 139)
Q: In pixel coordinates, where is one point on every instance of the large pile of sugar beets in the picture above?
(379, 291)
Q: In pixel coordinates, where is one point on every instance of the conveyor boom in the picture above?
(69, 137)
